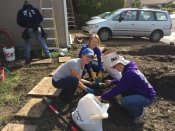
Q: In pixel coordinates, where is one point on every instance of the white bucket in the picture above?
(9, 53)
(64, 50)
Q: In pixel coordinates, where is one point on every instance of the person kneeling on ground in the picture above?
(68, 77)
(94, 66)
(137, 92)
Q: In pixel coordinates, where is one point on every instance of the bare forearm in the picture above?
(82, 86)
(86, 82)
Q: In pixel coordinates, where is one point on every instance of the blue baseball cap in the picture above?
(88, 52)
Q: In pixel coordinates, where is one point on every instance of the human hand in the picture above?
(108, 82)
(95, 84)
(98, 97)
(89, 90)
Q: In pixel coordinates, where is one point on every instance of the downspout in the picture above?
(66, 23)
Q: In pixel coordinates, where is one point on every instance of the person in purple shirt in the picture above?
(135, 89)
(95, 66)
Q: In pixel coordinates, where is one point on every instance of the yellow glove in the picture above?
(93, 74)
(100, 75)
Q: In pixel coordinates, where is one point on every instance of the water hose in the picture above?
(9, 36)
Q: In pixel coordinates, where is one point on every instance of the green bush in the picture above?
(170, 5)
(168, 9)
(136, 4)
(81, 19)
(89, 8)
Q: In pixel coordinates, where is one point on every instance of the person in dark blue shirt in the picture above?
(30, 18)
(94, 67)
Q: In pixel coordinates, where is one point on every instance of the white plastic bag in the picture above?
(107, 58)
(113, 73)
(89, 113)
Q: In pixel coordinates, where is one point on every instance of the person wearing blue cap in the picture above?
(68, 77)
(95, 67)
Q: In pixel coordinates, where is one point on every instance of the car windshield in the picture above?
(104, 14)
(112, 14)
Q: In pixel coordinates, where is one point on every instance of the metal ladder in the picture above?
(49, 24)
(70, 14)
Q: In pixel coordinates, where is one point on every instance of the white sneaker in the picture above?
(140, 119)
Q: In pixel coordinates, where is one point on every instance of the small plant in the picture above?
(136, 4)
(55, 54)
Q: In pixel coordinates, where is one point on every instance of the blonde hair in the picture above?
(94, 36)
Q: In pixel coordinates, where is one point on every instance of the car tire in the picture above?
(155, 36)
(104, 34)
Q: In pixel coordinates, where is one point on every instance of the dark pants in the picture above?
(68, 86)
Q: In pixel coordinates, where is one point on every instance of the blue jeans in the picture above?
(40, 40)
(68, 86)
(135, 104)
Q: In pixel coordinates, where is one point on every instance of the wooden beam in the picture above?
(43, 61)
(53, 72)
(45, 88)
(33, 109)
(64, 59)
(19, 127)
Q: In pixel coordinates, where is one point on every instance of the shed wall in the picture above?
(8, 13)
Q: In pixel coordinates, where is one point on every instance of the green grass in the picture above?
(7, 93)
(54, 54)
(8, 97)
(17, 83)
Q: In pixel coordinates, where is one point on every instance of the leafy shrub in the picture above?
(81, 19)
(89, 8)
(136, 4)
(170, 5)
(168, 9)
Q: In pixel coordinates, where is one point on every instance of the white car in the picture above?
(100, 15)
(133, 22)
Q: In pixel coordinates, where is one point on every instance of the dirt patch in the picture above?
(155, 60)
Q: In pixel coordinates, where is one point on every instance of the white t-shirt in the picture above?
(66, 69)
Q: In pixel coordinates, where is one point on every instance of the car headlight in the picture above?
(92, 26)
